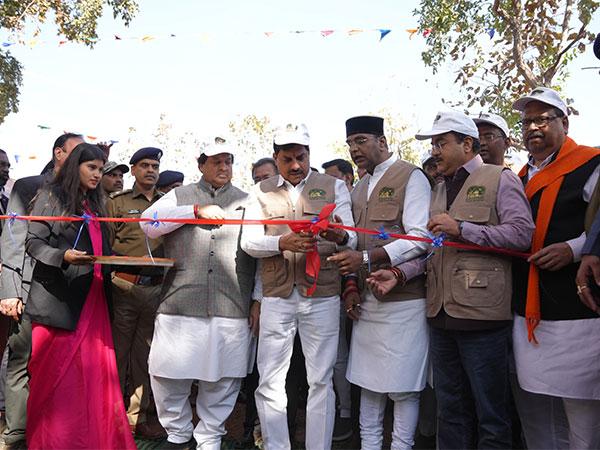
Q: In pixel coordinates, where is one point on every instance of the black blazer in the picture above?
(58, 290)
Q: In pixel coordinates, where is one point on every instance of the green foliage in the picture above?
(10, 80)
(253, 137)
(76, 21)
(532, 45)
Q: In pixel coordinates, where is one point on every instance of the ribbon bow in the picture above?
(313, 260)
(436, 242)
(86, 220)
(153, 223)
(11, 220)
(383, 235)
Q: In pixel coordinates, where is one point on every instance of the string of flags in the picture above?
(380, 32)
(88, 137)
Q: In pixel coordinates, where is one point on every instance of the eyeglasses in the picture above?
(488, 137)
(438, 146)
(539, 121)
(359, 141)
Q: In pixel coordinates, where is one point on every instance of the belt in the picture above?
(141, 280)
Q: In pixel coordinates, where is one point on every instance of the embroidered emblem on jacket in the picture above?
(386, 193)
(315, 194)
(475, 193)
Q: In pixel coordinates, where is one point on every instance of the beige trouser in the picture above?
(134, 311)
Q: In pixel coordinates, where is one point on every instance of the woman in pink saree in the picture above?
(75, 401)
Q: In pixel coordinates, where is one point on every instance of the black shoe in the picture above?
(189, 445)
(342, 429)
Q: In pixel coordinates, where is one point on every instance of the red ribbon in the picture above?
(321, 223)
(313, 261)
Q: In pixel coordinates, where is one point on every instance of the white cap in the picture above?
(220, 145)
(447, 121)
(494, 120)
(544, 95)
(292, 133)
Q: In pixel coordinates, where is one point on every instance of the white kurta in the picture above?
(183, 347)
(198, 348)
(565, 363)
(390, 342)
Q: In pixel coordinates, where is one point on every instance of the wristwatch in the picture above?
(365, 260)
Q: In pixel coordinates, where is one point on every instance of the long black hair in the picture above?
(66, 186)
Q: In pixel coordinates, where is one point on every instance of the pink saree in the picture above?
(75, 401)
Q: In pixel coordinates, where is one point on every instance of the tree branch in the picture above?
(515, 22)
(551, 72)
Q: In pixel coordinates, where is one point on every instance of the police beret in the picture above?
(146, 153)
(169, 177)
(597, 46)
(364, 124)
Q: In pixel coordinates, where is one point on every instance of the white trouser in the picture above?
(372, 410)
(317, 321)
(341, 384)
(214, 404)
(556, 423)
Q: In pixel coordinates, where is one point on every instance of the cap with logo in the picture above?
(292, 133)
(364, 124)
(168, 177)
(494, 120)
(220, 144)
(544, 95)
(146, 153)
(447, 121)
(112, 165)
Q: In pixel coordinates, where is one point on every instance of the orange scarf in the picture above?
(550, 178)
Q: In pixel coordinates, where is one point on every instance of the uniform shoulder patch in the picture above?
(119, 193)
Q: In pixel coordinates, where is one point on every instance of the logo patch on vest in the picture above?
(134, 211)
(316, 194)
(386, 193)
(475, 193)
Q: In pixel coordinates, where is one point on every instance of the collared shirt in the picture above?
(415, 213)
(129, 239)
(577, 243)
(516, 226)
(258, 245)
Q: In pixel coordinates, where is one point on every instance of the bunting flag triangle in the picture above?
(269, 33)
(412, 32)
(43, 127)
(383, 33)
(491, 32)
(326, 33)
(354, 31)
(147, 38)
(7, 44)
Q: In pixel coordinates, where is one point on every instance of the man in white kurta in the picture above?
(390, 339)
(287, 306)
(201, 330)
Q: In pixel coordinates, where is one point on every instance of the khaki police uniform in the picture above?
(136, 297)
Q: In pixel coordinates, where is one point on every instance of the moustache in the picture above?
(535, 134)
